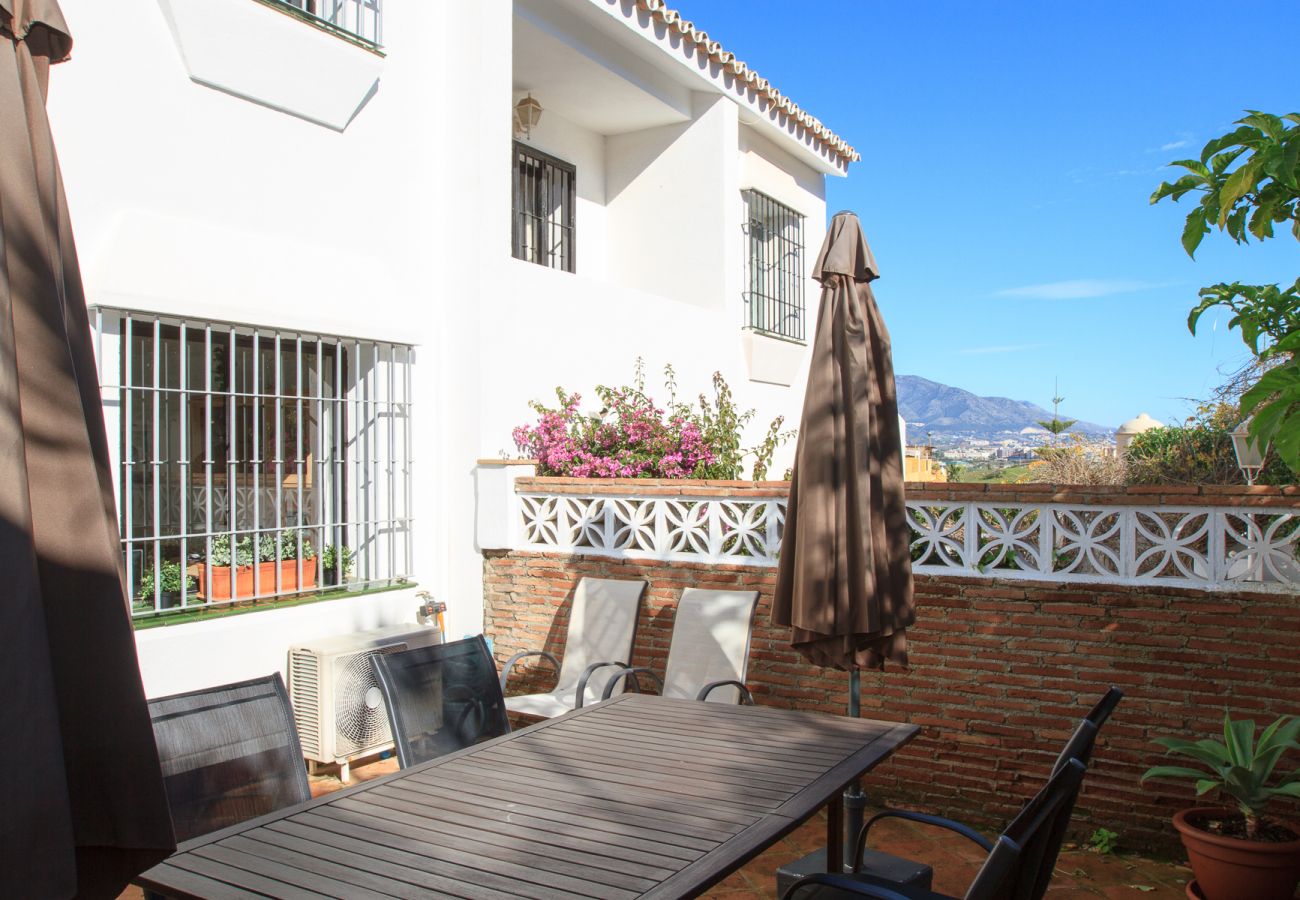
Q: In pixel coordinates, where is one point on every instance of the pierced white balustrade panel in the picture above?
(1190, 547)
(723, 530)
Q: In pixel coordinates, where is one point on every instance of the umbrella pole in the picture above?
(854, 800)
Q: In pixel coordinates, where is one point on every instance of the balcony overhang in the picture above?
(614, 66)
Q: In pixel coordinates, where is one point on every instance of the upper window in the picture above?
(254, 463)
(542, 200)
(774, 276)
(359, 18)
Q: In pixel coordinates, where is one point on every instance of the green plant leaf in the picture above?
(1239, 738)
(1173, 772)
(1205, 785)
(1236, 186)
(1194, 231)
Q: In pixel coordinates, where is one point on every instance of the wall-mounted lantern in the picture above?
(528, 112)
(1250, 458)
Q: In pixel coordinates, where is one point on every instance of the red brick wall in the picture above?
(1001, 669)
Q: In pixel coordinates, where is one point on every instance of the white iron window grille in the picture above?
(774, 267)
(1187, 547)
(359, 18)
(252, 462)
(542, 200)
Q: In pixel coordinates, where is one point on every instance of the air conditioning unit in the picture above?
(337, 704)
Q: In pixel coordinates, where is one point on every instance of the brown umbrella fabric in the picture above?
(82, 809)
(845, 578)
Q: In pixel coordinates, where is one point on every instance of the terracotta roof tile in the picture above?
(764, 88)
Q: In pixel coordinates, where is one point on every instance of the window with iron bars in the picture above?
(774, 267)
(542, 201)
(253, 463)
(361, 19)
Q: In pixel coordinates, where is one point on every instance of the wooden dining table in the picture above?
(638, 796)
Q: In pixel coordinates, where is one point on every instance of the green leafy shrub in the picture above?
(630, 436)
(1103, 841)
(172, 581)
(1238, 766)
(290, 538)
(339, 559)
(1199, 452)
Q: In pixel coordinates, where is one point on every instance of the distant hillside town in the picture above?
(948, 424)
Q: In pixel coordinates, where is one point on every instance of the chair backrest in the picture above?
(441, 698)
(1080, 744)
(602, 626)
(228, 754)
(710, 643)
(1020, 864)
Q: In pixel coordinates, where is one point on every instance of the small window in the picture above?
(542, 203)
(774, 276)
(362, 19)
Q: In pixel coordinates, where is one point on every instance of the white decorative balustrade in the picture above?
(1199, 547)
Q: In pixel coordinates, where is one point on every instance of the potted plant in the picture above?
(237, 564)
(337, 562)
(171, 582)
(1238, 854)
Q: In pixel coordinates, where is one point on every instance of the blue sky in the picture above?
(1008, 153)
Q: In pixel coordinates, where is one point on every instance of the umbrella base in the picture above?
(880, 865)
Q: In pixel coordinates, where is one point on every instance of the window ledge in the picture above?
(260, 51)
(771, 359)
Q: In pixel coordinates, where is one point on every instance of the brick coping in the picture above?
(1126, 495)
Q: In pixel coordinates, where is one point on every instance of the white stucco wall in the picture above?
(191, 201)
(195, 202)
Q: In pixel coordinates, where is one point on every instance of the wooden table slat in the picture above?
(673, 779)
(184, 885)
(595, 807)
(478, 864)
(788, 723)
(507, 877)
(556, 824)
(803, 752)
(485, 845)
(386, 807)
(732, 821)
(631, 757)
(638, 829)
(257, 874)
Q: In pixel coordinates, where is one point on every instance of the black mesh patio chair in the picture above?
(228, 754)
(1017, 866)
(887, 868)
(441, 698)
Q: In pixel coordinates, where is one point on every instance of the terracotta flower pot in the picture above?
(244, 583)
(1229, 868)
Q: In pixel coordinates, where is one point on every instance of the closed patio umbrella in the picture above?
(844, 585)
(83, 808)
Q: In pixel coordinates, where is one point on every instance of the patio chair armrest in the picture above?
(586, 676)
(745, 696)
(524, 654)
(925, 819)
(855, 886)
(634, 672)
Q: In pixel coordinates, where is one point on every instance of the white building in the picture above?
(365, 273)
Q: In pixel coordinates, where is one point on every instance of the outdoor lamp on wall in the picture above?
(1250, 459)
(528, 112)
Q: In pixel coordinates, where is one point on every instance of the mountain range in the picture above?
(941, 409)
